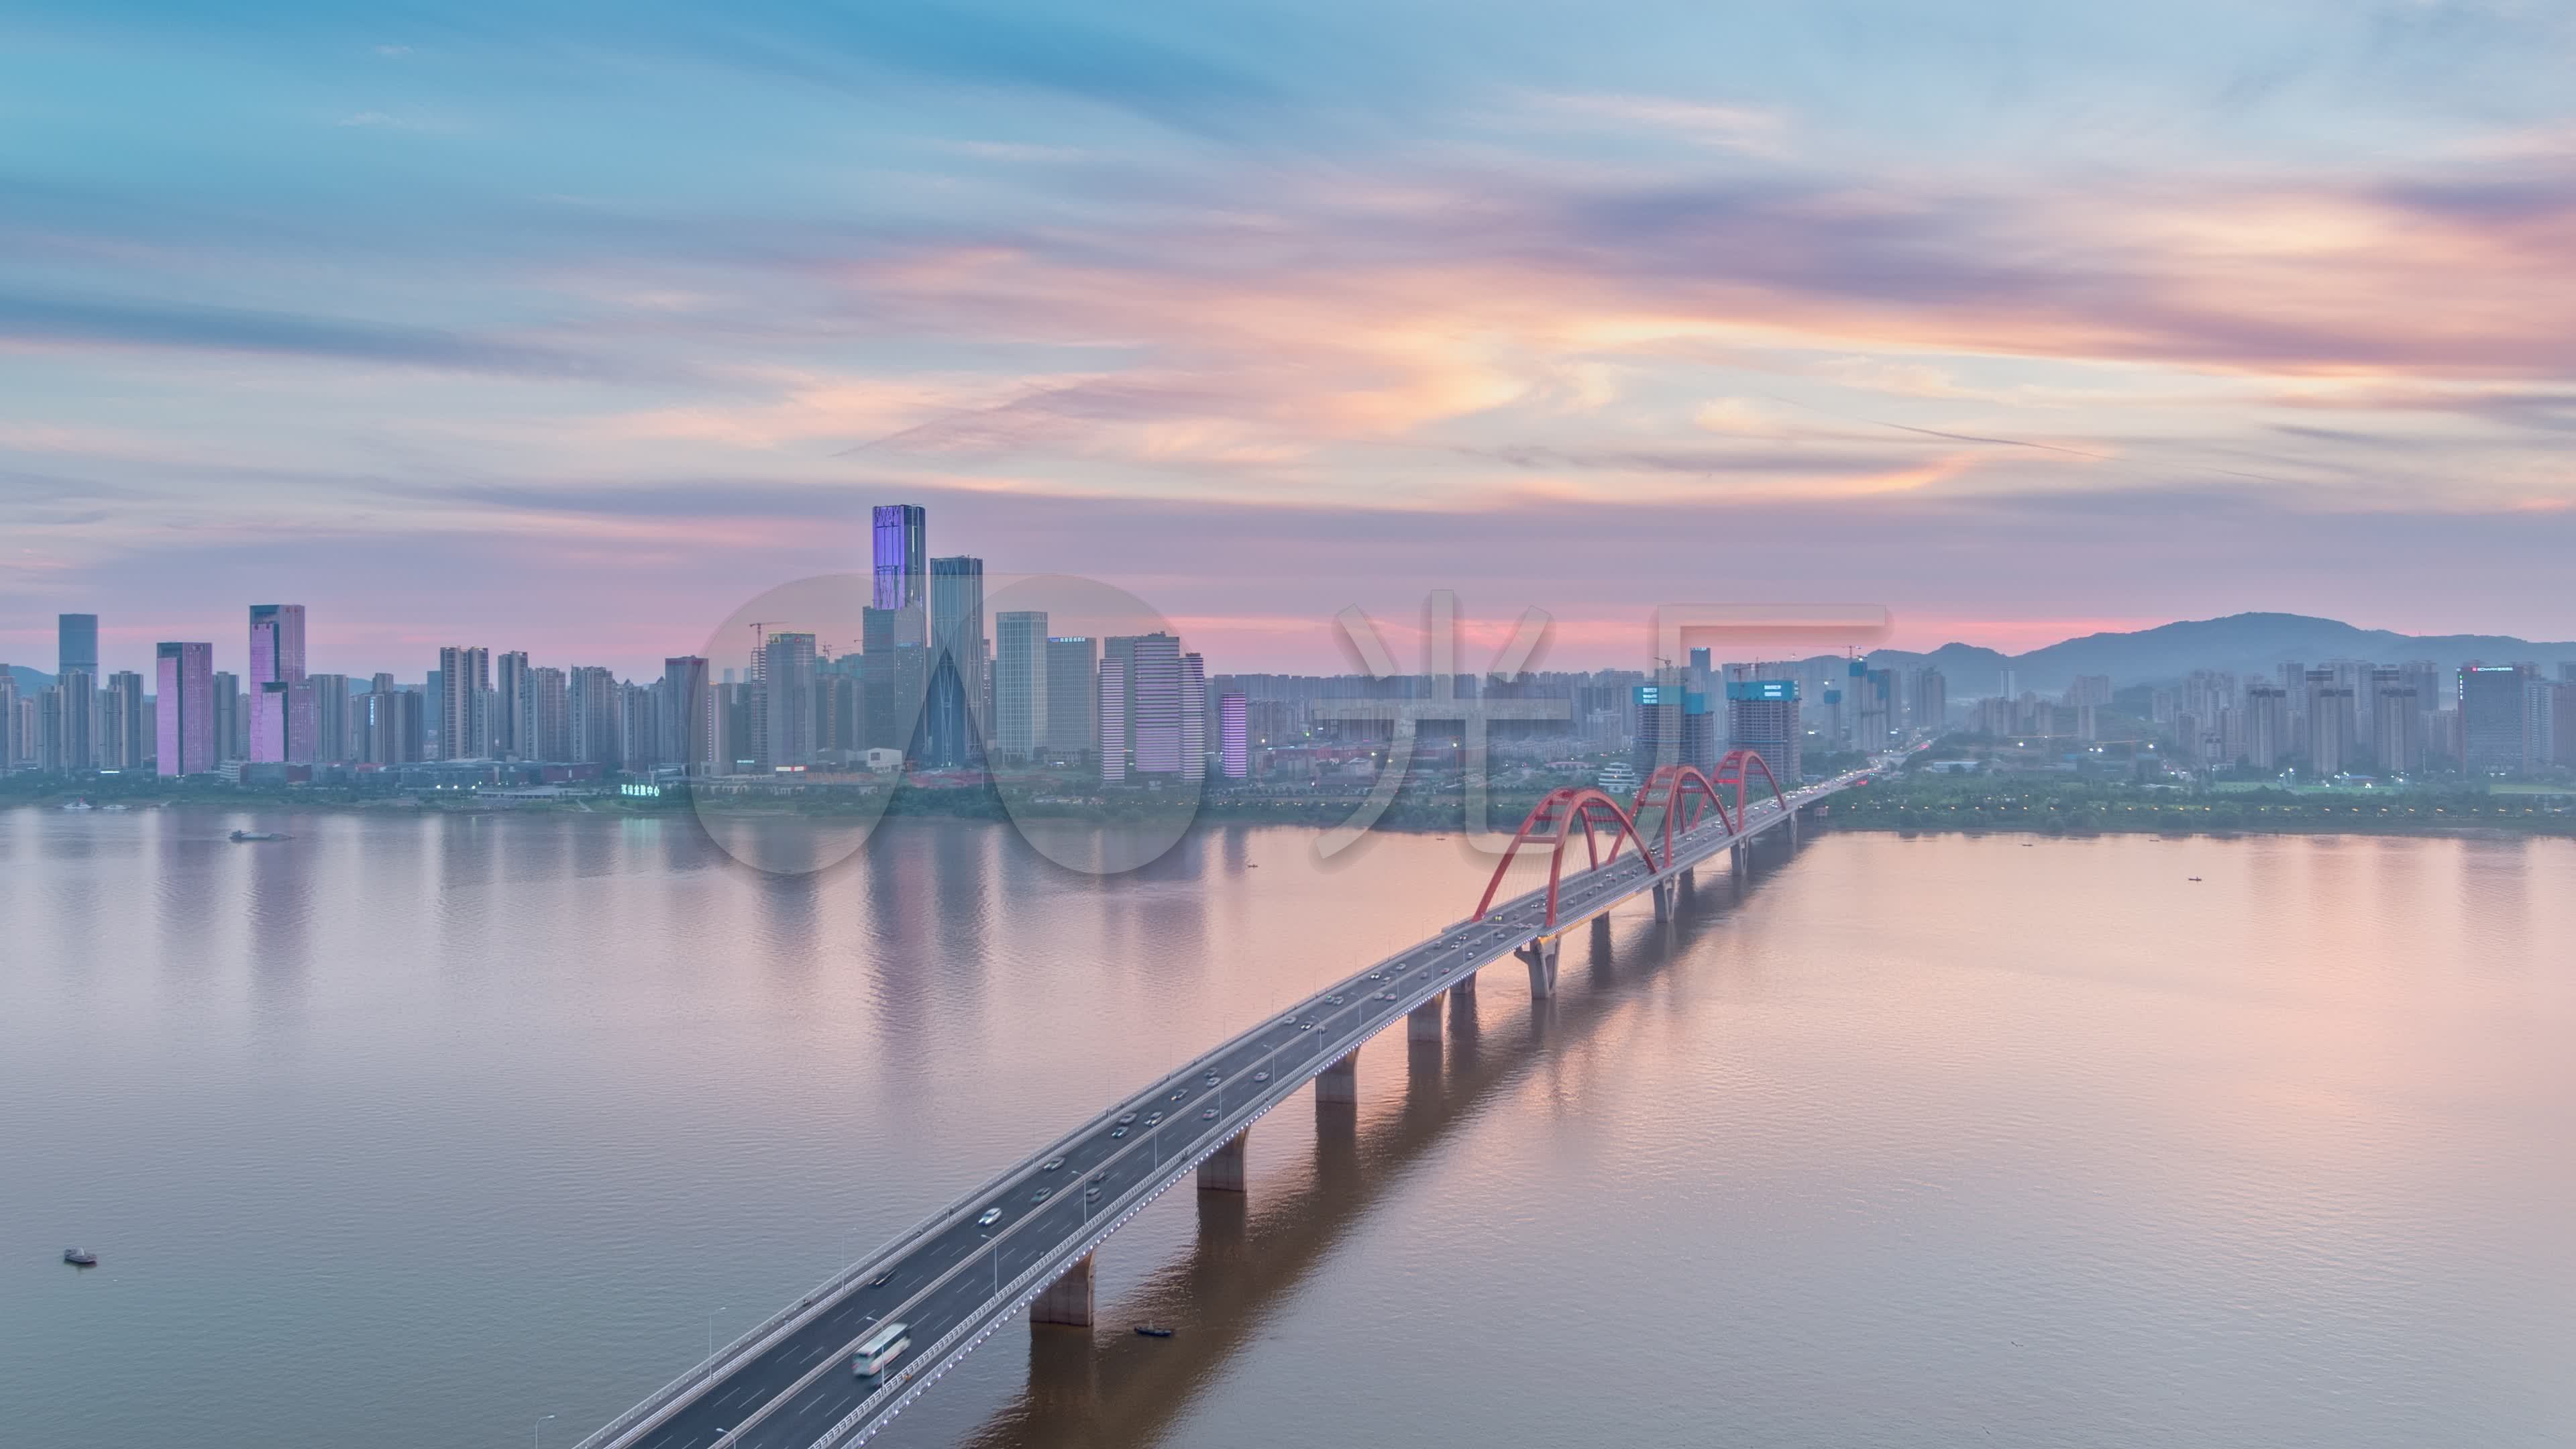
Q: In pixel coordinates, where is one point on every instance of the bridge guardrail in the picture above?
(761, 1336)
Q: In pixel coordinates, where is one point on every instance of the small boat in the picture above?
(2195, 877)
(1148, 1330)
(80, 1257)
(244, 837)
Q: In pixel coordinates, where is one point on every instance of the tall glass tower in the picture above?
(901, 555)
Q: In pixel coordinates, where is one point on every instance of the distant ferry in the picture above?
(244, 837)
(78, 805)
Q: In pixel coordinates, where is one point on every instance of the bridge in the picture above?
(1024, 1240)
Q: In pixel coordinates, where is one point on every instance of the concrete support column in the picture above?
(1466, 985)
(1540, 957)
(1423, 1022)
(1665, 891)
(1223, 1172)
(1067, 1300)
(1339, 1082)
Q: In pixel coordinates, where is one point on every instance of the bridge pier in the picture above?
(1223, 1171)
(1339, 1082)
(1423, 1022)
(1540, 957)
(1067, 1300)
(1465, 986)
(1665, 893)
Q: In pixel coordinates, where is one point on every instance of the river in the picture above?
(407, 1131)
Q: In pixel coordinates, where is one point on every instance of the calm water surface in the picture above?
(408, 1131)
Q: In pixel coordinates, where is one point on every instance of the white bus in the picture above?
(878, 1349)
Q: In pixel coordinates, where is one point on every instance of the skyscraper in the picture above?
(900, 553)
(231, 739)
(957, 618)
(1019, 682)
(276, 663)
(2397, 729)
(1072, 696)
(787, 682)
(550, 715)
(76, 643)
(591, 706)
(126, 743)
(2491, 718)
(11, 747)
(2267, 727)
(511, 737)
(2330, 741)
(1233, 736)
(1155, 691)
(1193, 717)
(76, 744)
(465, 690)
(1113, 721)
(1762, 716)
(184, 684)
(686, 700)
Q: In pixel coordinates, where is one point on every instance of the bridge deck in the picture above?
(787, 1384)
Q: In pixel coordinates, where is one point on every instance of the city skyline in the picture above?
(1260, 333)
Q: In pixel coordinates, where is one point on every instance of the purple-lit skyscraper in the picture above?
(1233, 736)
(184, 716)
(276, 665)
(899, 547)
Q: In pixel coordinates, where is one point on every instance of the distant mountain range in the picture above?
(2239, 643)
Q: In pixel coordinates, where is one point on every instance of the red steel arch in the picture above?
(1565, 808)
(1669, 786)
(1731, 771)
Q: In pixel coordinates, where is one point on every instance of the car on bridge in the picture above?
(990, 1217)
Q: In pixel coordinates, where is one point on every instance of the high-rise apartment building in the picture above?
(12, 748)
(1762, 716)
(337, 732)
(1674, 727)
(2267, 728)
(2330, 741)
(184, 690)
(591, 709)
(549, 715)
(1019, 682)
(1193, 717)
(512, 736)
(899, 539)
(464, 702)
(1113, 721)
(1072, 696)
(685, 702)
(1233, 735)
(232, 730)
(76, 726)
(2397, 729)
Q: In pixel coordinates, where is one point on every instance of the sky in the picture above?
(574, 327)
